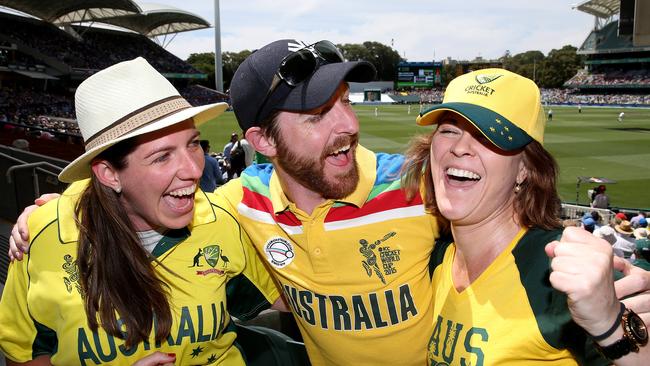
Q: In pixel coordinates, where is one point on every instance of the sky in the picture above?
(422, 30)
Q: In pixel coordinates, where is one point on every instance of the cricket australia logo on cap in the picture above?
(279, 252)
(484, 79)
(481, 89)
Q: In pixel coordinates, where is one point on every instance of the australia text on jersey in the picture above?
(442, 344)
(353, 312)
(202, 325)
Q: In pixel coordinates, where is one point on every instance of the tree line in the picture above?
(549, 71)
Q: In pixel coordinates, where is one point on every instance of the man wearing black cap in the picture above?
(349, 250)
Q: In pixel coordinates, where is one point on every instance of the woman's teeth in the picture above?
(462, 174)
(184, 191)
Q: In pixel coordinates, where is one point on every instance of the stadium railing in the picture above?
(570, 211)
(24, 176)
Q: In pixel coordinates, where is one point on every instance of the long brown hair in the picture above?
(537, 204)
(115, 270)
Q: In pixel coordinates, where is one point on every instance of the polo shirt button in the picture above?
(317, 251)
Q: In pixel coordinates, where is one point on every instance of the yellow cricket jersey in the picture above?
(355, 271)
(510, 315)
(217, 273)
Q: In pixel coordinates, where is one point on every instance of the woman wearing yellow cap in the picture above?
(499, 299)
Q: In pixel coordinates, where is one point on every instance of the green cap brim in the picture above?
(496, 128)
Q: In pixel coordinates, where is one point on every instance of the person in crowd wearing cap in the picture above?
(226, 153)
(349, 249)
(485, 170)
(624, 239)
(108, 277)
(600, 200)
(589, 224)
(212, 175)
(636, 219)
(642, 253)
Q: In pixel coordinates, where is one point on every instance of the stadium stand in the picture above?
(616, 70)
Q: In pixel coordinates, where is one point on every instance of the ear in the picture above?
(263, 144)
(523, 172)
(107, 174)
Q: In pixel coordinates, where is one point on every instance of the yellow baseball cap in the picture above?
(504, 106)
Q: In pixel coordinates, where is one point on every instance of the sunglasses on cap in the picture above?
(298, 66)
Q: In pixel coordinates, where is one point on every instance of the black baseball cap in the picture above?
(253, 78)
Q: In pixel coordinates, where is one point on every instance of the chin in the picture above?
(177, 223)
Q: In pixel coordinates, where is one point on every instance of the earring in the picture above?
(517, 188)
(117, 189)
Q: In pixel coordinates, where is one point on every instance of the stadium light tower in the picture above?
(218, 61)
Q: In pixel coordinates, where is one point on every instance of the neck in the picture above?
(479, 244)
(304, 198)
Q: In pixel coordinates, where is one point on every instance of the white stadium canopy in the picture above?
(600, 8)
(148, 19)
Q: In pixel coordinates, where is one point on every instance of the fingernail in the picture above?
(171, 355)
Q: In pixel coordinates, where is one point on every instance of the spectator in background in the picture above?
(226, 153)
(642, 254)
(607, 233)
(624, 246)
(212, 176)
(237, 159)
(635, 220)
(588, 224)
(249, 152)
(601, 200)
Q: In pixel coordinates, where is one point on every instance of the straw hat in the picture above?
(125, 100)
(640, 233)
(624, 227)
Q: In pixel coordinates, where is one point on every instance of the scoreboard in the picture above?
(419, 74)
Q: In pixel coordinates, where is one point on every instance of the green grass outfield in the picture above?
(592, 143)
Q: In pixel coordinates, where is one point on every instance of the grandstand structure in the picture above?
(617, 51)
(48, 47)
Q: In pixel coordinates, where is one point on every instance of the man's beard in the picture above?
(310, 172)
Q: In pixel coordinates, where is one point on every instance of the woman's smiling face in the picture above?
(473, 179)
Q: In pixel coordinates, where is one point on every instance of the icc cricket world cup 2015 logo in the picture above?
(279, 252)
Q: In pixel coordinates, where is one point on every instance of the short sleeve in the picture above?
(253, 290)
(17, 330)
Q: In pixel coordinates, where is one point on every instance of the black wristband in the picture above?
(613, 328)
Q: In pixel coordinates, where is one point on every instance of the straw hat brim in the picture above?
(80, 167)
(623, 231)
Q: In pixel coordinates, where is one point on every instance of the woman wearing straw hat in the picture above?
(112, 275)
(485, 170)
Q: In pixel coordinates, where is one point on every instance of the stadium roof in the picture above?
(147, 19)
(157, 20)
(600, 8)
(69, 11)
